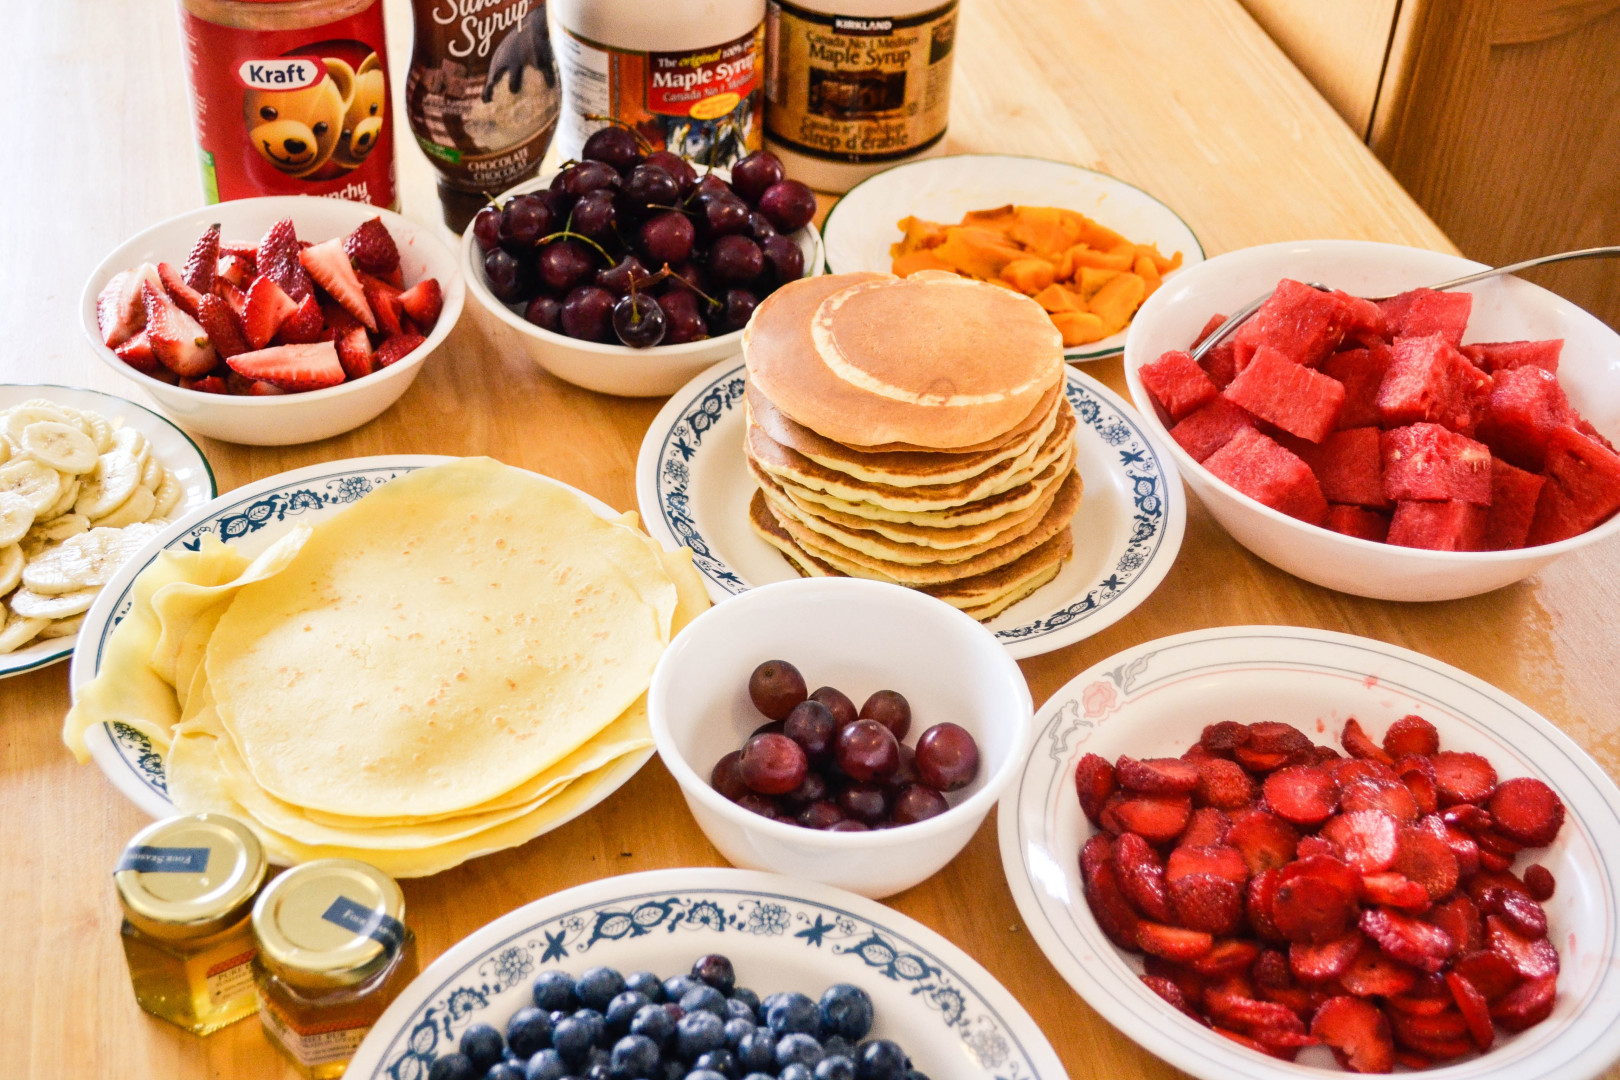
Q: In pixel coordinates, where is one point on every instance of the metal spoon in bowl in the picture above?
(1242, 314)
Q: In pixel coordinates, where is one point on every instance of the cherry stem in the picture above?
(566, 233)
(689, 285)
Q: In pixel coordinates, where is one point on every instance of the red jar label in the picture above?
(292, 112)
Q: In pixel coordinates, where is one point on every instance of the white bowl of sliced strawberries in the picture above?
(276, 320)
(1425, 447)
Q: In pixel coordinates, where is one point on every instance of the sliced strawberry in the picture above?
(1093, 853)
(304, 325)
(1422, 763)
(1325, 960)
(1527, 1005)
(1271, 970)
(1412, 1059)
(1519, 911)
(1527, 811)
(354, 352)
(1173, 942)
(1438, 1051)
(1357, 743)
(202, 263)
(1533, 958)
(1207, 827)
(1463, 778)
(1427, 860)
(1390, 796)
(1273, 737)
(1223, 785)
(1264, 839)
(1365, 839)
(1158, 819)
(120, 313)
(178, 342)
(1413, 1005)
(1172, 994)
(1141, 877)
(1156, 776)
(423, 302)
(1474, 1008)
(1207, 903)
(1325, 755)
(277, 259)
(228, 249)
(260, 388)
(1440, 1026)
(1316, 845)
(1302, 794)
(1485, 879)
(268, 306)
(1460, 918)
(1243, 1013)
(1407, 939)
(235, 297)
(137, 353)
(1260, 761)
(329, 266)
(1222, 738)
(1108, 905)
(1191, 984)
(1108, 818)
(1494, 842)
(1488, 973)
(1490, 860)
(236, 270)
(383, 299)
(1094, 780)
(398, 348)
(1347, 771)
(1539, 881)
(1315, 899)
(1357, 1032)
(1467, 816)
(372, 248)
(208, 384)
(1392, 890)
(1218, 860)
(184, 296)
(1260, 903)
(1411, 735)
(219, 322)
(292, 367)
(1229, 957)
(1425, 796)
(1373, 972)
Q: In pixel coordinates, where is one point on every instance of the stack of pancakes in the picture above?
(912, 430)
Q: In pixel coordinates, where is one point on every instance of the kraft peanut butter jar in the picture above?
(290, 97)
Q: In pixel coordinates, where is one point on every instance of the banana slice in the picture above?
(62, 628)
(5, 449)
(152, 473)
(20, 631)
(18, 417)
(116, 476)
(59, 444)
(71, 486)
(89, 559)
(101, 431)
(167, 494)
(33, 605)
(57, 529)
(40, 484)
(132, 511)
(16, 517)
(11, 568)
(134, 443)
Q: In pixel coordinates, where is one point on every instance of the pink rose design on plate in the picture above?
(1099, 698)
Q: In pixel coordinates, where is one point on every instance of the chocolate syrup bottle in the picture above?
(482, 96)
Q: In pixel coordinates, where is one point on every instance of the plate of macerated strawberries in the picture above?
(1378, 436)
(1263, 851)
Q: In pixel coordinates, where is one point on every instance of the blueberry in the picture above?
(737, 1010)
(705, 1074)
(504, 1071)
(645, 982)
(913, 1074)
(598, 986)
(836, 1045)
(597, 1061)
(674, 1070)
(765, 1006)
(697, 1034)
(705, 999)
(722, 1061)
(846, 1010)
(598, 1025)
(635, 1057)
(599, 1071)
(746, 997)
(837, 1067)
(880, 1059)
(573, 1038)
(677, 985)
(622, 1009)
(483, 1046)
(756, 1050)
(528, 1032)
(453, 1067)
(786, 1014)
(554, 992)
(557, 1016)
(796, 1072)
(736, 1028)
(653, 1022)
(716, 970)
(758, 1076)
(546, 1065)
(797, 1048)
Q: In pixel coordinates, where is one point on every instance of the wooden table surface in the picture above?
(1186, 98)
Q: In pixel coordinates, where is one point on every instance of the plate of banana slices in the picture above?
(86, 479)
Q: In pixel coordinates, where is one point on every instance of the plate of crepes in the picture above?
(86, 479)
(1263, 851)
(407, 660)
(922, 431)
(1087, 247)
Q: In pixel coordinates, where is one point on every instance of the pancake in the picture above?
(1012, 501)
(838, 354)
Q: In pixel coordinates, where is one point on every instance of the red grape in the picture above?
(838, 704)
(726, 778)
(772, 764)
(865, 802)
(756, 172)
(769, 727)
(866, 750)
(812, 726)
(813, 788)
(759, 804)
(947, 757)
(918, 802)
(850, 826)
(789, 205)
(775, 687)
(889, 709)
(820, 815)
(906, 774)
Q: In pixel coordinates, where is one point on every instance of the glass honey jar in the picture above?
(187, 886)
(334, 951)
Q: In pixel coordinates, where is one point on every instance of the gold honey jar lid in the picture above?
(189, 876)
(329, 923)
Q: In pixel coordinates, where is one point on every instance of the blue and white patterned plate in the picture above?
(1153, 700)
(251, 517)
(172, 446)
(693, 487)
(949, 1014)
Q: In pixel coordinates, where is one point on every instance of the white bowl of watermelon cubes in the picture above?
(1427, 447)
(574, 261)
(276, 320)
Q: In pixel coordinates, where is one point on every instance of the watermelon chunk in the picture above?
(1438, 526)
(1422, 312)
(1428, 463)
(1526, 406)
(1178, 384)
(1210, 428)
(1496, 356)
(1280, 391)
(1582, 489)
(1267, 473)
(1349, 466)
(1357, 521)
(1220, 364)
(1429, 380)
(1362, 372)
(1302, 323)
(1210, 327)
(1513, 506)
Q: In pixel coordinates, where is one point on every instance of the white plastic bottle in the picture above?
(687, 75)
(853, 87)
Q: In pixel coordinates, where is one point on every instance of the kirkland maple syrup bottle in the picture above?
(482, 97)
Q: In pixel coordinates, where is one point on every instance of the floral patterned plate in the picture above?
(1154, 699)
(251, 517)
(693, 487)
(949, 1014)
